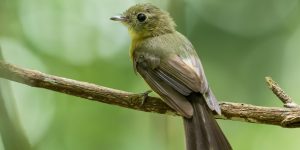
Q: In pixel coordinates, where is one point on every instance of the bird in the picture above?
(170, 65)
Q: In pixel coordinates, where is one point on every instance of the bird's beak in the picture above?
(119, 18)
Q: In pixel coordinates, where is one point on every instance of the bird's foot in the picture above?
(144, 97)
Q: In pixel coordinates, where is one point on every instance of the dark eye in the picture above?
(141, 17)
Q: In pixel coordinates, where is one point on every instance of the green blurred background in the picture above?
(239, 41)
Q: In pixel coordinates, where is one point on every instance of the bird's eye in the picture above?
(141, 17)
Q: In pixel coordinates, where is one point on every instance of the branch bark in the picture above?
(284, 117)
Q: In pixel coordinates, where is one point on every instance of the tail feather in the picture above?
(202, 130)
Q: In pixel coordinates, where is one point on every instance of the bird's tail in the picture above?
(202, 131)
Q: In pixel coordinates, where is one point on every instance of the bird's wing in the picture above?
(177, 72)
(170, 95)
(175, 76)
(186, 71)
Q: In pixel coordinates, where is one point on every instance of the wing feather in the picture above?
(170, 96)
(182, 72)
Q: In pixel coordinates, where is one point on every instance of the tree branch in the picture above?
(281, 94)
(10, 125)
(284, 117)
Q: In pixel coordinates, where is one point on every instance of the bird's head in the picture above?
(146, 20)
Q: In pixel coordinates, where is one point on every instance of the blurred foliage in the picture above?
(239, 41)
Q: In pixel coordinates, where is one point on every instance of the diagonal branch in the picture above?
(281, 94)
(284, 117)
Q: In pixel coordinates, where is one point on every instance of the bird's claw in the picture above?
(144, 97)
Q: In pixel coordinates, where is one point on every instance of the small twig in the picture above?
(281, 94)
(284, 117)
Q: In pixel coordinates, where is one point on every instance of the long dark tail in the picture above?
(202, 131)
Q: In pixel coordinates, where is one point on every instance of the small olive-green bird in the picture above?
(168, 62)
